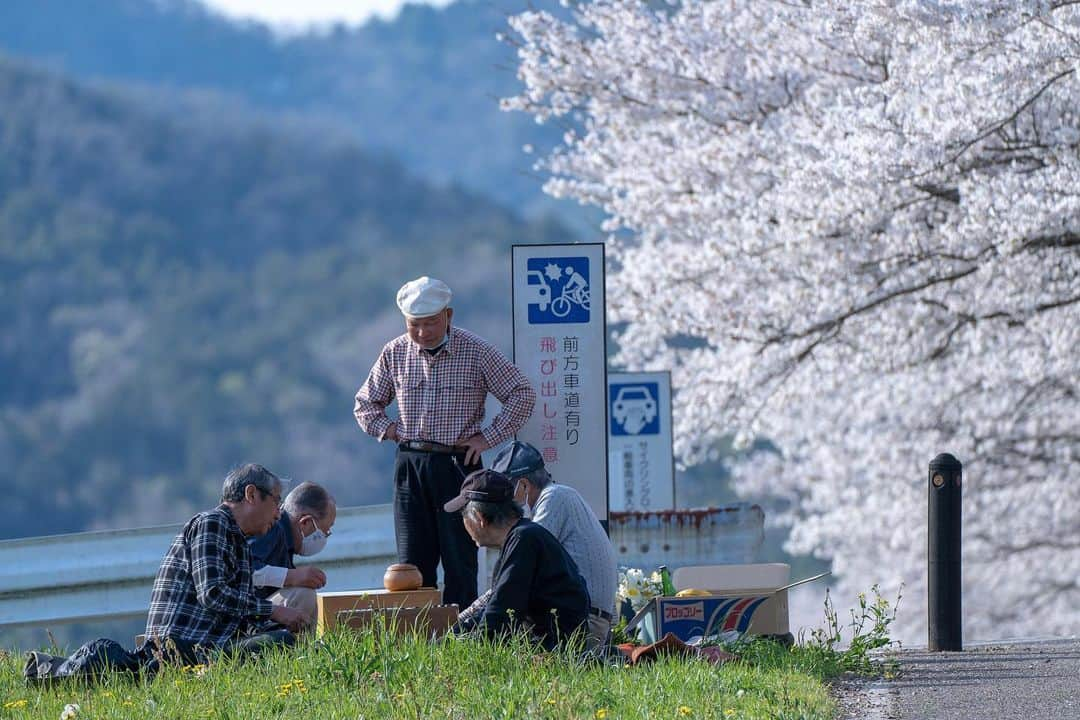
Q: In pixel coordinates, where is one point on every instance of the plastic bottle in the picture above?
(666, 586)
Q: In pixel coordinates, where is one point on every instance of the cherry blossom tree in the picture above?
(854, 229)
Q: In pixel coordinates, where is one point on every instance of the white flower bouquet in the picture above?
(637, 587)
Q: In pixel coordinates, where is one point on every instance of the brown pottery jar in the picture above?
(402, 576)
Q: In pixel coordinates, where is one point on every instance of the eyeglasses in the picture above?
(275, 496)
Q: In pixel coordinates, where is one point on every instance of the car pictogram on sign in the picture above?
(634, 408)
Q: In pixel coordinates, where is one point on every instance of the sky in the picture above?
(299, 14)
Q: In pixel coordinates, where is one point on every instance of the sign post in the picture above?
(640, 458)
(560, 343)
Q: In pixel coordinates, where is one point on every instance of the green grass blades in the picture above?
(378, 674)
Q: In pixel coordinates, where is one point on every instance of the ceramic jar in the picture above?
(402, 576)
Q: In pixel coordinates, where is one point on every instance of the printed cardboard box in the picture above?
(330, 604)
(753, 611)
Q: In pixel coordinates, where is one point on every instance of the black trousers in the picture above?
(425, 533)
(98, 657)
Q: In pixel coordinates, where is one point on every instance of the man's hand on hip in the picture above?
(307, 576)
(475, 445)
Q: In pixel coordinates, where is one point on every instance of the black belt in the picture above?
(430, 447)
(602, 614)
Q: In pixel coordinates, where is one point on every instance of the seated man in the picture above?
(564, 513)
(203, 596)
(535, 581)
(307, 515)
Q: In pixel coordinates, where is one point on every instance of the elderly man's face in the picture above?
(428, 332)
(261, 510)
(477, 531)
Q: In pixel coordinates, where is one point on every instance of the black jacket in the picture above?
(535, 580)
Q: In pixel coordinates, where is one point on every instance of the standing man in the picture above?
(307, 516)
(441, 376)
(203, 597)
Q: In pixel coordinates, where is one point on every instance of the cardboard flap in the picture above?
(640, 615)
(803, 581)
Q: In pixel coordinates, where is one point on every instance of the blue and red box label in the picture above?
(690, 616)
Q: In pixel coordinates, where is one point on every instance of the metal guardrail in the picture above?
(108, 574)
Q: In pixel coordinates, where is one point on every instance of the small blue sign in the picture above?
(634, 409)
(558, 290)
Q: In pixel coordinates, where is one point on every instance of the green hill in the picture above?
(187, 288)
(422, 88)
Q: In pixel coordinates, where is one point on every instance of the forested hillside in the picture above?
(184, 290)
(423, 88)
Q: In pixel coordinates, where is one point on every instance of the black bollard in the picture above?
(945, 622)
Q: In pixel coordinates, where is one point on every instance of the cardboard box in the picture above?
(753, 611)
(330, 604)
(433, 620)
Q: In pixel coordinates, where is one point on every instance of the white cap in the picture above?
(423, 297)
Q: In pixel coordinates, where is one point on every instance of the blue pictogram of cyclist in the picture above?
(557, 290)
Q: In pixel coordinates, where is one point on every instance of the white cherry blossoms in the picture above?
(852, 229)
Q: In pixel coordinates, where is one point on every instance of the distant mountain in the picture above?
(422, 88)
(184, 291)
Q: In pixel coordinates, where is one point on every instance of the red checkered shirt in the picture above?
(441, 397)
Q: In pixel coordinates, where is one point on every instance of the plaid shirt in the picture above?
(441, 397)
(202, 592)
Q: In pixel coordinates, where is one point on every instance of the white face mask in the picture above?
(313, 543)
(525, 502)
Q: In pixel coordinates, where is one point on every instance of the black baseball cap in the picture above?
(517, 459)
(483, 486)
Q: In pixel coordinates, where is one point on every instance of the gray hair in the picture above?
(232, 490)
(540, 478)
(308, 498)
(499, 514)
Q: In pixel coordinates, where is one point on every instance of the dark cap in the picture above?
(517, 459)
(483, 486)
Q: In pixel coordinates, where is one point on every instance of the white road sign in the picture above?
(560, 344)
(641, 464)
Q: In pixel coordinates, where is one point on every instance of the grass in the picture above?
(377, 674)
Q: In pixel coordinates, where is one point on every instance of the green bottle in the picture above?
(666, 586)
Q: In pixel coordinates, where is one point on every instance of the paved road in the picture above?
(1018, 681)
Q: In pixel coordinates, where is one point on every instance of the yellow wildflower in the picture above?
(685, 710)
(601, 713)
(15, 704)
